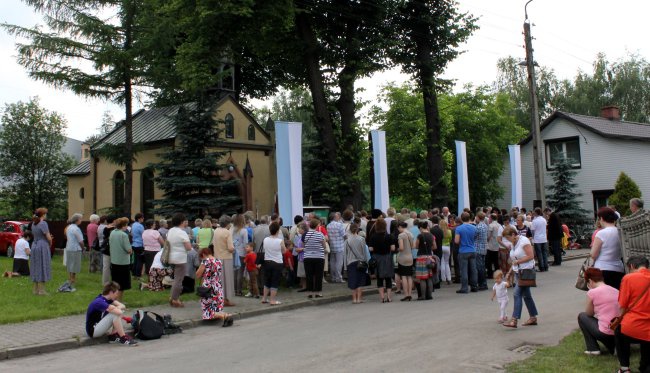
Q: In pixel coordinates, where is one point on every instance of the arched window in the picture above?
(230, 126)
(251, 132)
(147, 194)
(118, 189)
(82, 193)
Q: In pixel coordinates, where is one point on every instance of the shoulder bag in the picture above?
(581, 282)
(362, 265)
(616, 321)
(527, 278)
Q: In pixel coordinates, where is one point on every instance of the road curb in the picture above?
(71, 343)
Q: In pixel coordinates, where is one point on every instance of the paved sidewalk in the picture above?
(35, 337)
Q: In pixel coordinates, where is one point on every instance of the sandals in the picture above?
(531, 321)
(277, 302)
(511, 324)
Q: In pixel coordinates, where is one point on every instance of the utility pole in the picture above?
(540, 194)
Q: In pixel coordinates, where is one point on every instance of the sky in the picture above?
(568, 36)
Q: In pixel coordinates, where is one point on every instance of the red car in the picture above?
(10, 232)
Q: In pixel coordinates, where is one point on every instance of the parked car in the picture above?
(10, 232)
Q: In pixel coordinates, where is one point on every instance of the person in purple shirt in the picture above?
(138, 245)
(105, 313)
(465, 239)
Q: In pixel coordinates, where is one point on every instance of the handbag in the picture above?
(527, 278)
(204, 292)
(372, 263)
(616, 321)
(164, 257)
(362, 266)
(581, 283)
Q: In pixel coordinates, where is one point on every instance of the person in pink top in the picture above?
(602, 306)
(95, 254)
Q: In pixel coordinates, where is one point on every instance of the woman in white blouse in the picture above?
(522, 256)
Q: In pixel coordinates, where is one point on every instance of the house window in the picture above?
(230, 126)
(118, 189)
(560, 149)
(251, 132)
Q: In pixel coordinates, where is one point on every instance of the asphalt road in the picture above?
(451, 333)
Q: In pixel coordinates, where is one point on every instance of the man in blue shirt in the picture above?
(465, 239)
(138, 246)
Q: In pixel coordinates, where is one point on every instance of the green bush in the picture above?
(624, 190)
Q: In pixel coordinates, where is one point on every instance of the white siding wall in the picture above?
(603, 159)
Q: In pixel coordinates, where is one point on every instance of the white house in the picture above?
(600, 147)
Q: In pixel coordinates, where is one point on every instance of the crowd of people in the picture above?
(407, 253)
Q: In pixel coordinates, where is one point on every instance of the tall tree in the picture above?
(188, 172)
(31, 143)
(92, 48)
(106, 126)
(563, 194)
(428, 34)
(485, 120)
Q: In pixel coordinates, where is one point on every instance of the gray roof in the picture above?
(73, 148)
(605, 127)
(152, 125)
(82, 168)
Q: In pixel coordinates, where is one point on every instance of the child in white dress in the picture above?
(500, 291)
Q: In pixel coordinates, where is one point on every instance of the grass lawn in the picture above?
(569, 356)
(18, 304)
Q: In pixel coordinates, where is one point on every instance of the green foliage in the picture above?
(624, 190)
(625, 83)
(106, 126)
(484, 120)
(563, 196)
(31, 142)
(188, 173)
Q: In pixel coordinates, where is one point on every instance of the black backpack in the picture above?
(148, 325)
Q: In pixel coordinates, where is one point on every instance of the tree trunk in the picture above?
(435, 163)
(347, 109)
(317, 87)
(128, 106)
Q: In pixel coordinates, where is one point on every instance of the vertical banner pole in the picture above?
(288, 147)
(461, 171)
(380, 167)
(515, 175)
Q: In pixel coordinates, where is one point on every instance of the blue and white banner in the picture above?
(288, 150)
(381, 169)
(461, 171)
(515, 175)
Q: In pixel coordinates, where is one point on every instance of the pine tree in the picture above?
(188, 173)
(624, 190)
(563, 197)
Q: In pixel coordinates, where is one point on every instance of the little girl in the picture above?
(500, 291)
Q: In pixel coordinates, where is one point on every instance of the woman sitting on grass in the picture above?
(21, 256)
(157, 273)
(602, 306)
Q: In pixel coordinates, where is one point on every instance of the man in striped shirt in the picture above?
(336, 233)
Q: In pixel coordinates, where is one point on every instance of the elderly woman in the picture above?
(606, 249)
(602, 306)
(314, 259)
(522, 257)
(41, 271)
(73, 250)
(223, 250)
(355, 252)
(239, 240)
(381, 246)
(120, 249)
(179, 244)
(96, 259)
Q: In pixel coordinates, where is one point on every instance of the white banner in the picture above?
(288, 162)
(381, 170)
(461, 171)
(515, 175)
